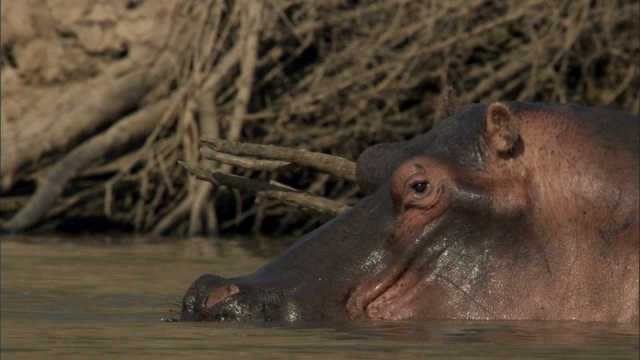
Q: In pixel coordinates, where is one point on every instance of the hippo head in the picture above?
(443, 232)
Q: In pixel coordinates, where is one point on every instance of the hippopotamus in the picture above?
(508, 210)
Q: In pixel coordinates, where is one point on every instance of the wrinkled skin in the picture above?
(502, 211)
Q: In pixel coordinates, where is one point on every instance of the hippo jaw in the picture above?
(362, 302)
(374, 294)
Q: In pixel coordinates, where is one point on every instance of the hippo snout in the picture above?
(212, 297)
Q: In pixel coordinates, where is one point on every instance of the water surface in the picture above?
(106, 297)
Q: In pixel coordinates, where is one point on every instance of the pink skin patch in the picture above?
(219, 294)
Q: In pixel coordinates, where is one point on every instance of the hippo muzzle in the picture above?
(213, 298)
(205, 299)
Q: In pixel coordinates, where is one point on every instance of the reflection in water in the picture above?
(102, 296)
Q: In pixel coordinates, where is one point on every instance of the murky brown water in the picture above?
(79, 298)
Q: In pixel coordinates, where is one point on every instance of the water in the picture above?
(80, 298)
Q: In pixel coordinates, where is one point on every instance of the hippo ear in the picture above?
(502, 129)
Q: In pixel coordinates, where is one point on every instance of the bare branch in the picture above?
(332, 165)
(324, 209)
(248, 163)
(132, 128)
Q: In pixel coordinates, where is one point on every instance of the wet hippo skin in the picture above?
(502, 211)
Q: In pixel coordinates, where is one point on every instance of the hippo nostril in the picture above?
(220, 293)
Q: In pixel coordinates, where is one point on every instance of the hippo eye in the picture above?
(420, 187)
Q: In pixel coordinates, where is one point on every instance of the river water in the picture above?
(106, 297)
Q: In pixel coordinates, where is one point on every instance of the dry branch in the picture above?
(328, 164)
(322, 208)
(250, 31)
(249, 163)
(103, 102)
(127, 131)
(195, 204)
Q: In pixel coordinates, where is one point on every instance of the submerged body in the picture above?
(502, 211)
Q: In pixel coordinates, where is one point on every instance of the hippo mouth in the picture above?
(385, 292)
(389, 294)
(373, 300)
(378, 297)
